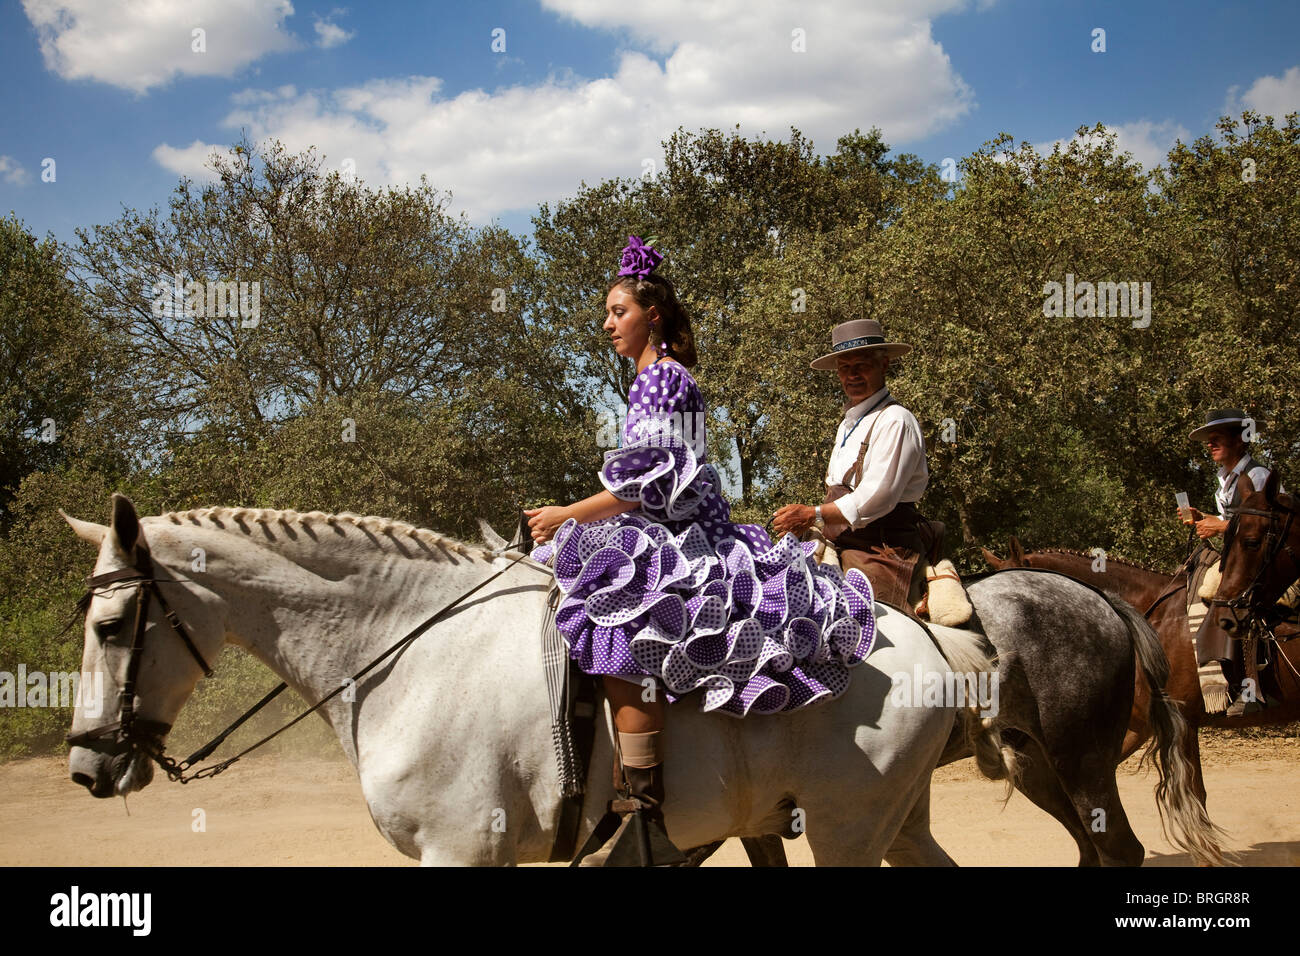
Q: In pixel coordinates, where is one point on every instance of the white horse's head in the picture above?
(102, 758)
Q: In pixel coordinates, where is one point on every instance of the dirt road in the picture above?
(309, 812)
(285, 810)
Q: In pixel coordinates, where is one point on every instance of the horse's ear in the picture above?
(1017, 552)
(1245, 486)
(125, 524)
(992, 560)
(86, 530)
(1270, 486)
(490, 537)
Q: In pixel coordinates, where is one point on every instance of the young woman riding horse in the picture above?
(663, 594)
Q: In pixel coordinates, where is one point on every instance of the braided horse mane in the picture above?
(385, 533)
(1089, 557)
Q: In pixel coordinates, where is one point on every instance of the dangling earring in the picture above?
(661, 349)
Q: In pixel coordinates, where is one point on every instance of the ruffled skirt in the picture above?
(759, 633)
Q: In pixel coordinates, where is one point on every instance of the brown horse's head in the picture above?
(1016, 558)
(1261, 551)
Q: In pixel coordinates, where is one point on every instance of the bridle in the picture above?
(131, 733)
(1251, 603)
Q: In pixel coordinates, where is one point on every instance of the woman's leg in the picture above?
(639, 724)
(632, 714)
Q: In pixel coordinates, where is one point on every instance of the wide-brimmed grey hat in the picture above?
(858, 335)
(1220, 419)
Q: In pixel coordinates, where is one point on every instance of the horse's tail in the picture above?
(969, 655)
(1194, 833)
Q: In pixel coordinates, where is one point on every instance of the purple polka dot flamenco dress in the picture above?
(675, 590)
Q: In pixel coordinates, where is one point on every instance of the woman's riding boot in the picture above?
(643, 840)
(647, 785)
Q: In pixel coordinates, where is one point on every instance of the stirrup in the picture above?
(621, 842)
(1244, 708)
(641, 839)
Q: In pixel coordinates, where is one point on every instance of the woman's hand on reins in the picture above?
(545, 521)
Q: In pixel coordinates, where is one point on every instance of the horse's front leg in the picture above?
(445, 820)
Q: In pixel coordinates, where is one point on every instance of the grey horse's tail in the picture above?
(1193, 831)
(969, 654)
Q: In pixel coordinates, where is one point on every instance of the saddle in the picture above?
(934, 588)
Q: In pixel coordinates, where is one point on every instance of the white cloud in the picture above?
(1270, 95)
(724, 62)
(139, 45)
(188, 160)
(330, 35)
(12, 172)
(1148, 142)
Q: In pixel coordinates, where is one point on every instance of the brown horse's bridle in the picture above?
(1251, 601)
(130, 732)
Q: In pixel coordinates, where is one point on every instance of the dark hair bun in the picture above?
(674, 329)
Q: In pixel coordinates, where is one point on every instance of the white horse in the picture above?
(451, 736)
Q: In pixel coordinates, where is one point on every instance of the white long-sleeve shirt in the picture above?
(894, 468)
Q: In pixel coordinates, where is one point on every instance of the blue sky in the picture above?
(115, 94)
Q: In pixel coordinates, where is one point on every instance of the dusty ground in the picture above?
(307, 812)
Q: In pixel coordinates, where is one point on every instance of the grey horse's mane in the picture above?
(381, 531)
(1109, 559)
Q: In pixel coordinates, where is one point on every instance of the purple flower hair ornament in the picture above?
(639, 258)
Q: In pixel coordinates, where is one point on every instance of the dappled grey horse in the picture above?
(1066, 658)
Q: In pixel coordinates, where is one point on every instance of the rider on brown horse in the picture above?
(877, 469)
(1225, 434)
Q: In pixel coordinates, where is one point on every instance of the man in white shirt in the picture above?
(1223, 436)
(1239, 474)
(877, 470)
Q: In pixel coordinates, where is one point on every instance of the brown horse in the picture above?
(1163, 598)
(1261, 561)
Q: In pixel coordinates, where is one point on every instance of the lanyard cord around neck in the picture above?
(878, 403)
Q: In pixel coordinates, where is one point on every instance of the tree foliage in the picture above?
(407, 364)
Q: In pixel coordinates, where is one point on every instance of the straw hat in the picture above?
(858, 336)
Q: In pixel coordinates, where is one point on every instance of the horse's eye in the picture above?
(1251, 543)
(107, 630)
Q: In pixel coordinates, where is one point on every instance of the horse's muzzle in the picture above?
(110, 774)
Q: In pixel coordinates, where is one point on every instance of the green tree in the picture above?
(60, 396)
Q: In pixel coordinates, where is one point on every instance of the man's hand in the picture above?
(544, 522)
(1208, 527)
(794, 519)
(1189, 516)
